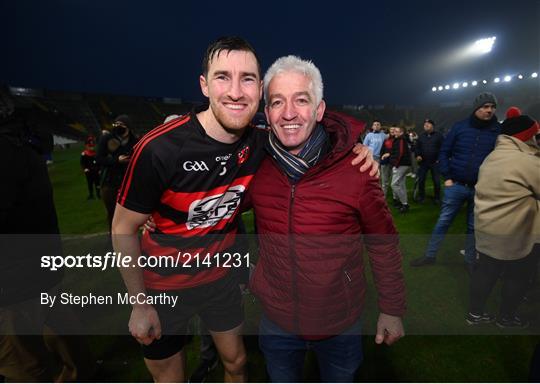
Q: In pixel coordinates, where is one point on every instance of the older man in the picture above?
(311, 209)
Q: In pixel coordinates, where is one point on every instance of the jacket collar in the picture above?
(512, 143)
(342, 129)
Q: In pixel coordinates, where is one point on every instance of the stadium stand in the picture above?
(447, 108)
(76, 115)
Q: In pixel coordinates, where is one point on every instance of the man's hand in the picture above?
(144, 324)
(386, 155)
(150, 225)
(363, 153)
(389, 329)
(448, 183)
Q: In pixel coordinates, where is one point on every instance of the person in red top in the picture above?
(399, 158)
(90, 167)
(314, 215)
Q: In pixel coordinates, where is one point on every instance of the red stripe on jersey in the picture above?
(181, 201)
(156, 281)
(137, 149)
(169, 227)
(206, 211)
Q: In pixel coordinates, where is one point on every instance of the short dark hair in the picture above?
(227, 43)
(376, 121)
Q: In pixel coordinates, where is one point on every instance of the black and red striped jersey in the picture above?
(192, 185)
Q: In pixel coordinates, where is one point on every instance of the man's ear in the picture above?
(320, 110)
(267, 114)
(204, 85)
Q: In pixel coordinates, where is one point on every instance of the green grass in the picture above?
(438, 345)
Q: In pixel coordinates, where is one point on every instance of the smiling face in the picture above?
(291, 109)
(233, 87)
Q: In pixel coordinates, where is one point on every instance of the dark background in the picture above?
(368, 52)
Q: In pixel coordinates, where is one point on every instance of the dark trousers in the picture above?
(435, 176)
(534, 373)
(108, 195)
(515, 274)
(92, 181)
(339, 356)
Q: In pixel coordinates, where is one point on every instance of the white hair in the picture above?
(293, 63)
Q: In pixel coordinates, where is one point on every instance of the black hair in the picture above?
(227, 43)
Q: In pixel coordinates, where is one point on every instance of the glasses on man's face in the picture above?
(118, 124)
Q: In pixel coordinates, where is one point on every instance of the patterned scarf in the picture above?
(296, 165)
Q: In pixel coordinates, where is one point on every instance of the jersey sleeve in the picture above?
(144, 182)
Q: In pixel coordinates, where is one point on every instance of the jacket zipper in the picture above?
(293, 263)
(347, 293)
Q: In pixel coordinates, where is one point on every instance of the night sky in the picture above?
(368, 52)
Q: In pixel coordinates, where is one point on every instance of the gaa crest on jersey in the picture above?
(243, 155)
(209, 211)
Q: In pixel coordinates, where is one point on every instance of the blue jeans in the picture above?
(454, 198)
(339, 357)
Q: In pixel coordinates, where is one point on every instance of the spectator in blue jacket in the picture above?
(375, 139)
(428, 147)
(463, 150)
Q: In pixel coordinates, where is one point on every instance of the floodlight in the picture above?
(484, 81)
(520, 76)
(534, 75)
(446, 86)
(465, 84)
(474, 83)
(434, 89)
(440, 88)
(496, 80)
(482, 46)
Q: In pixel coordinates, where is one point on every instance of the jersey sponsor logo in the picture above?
(222, 161)
(243, 155)
(224, 157)
(195, 166)
(209, 211)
